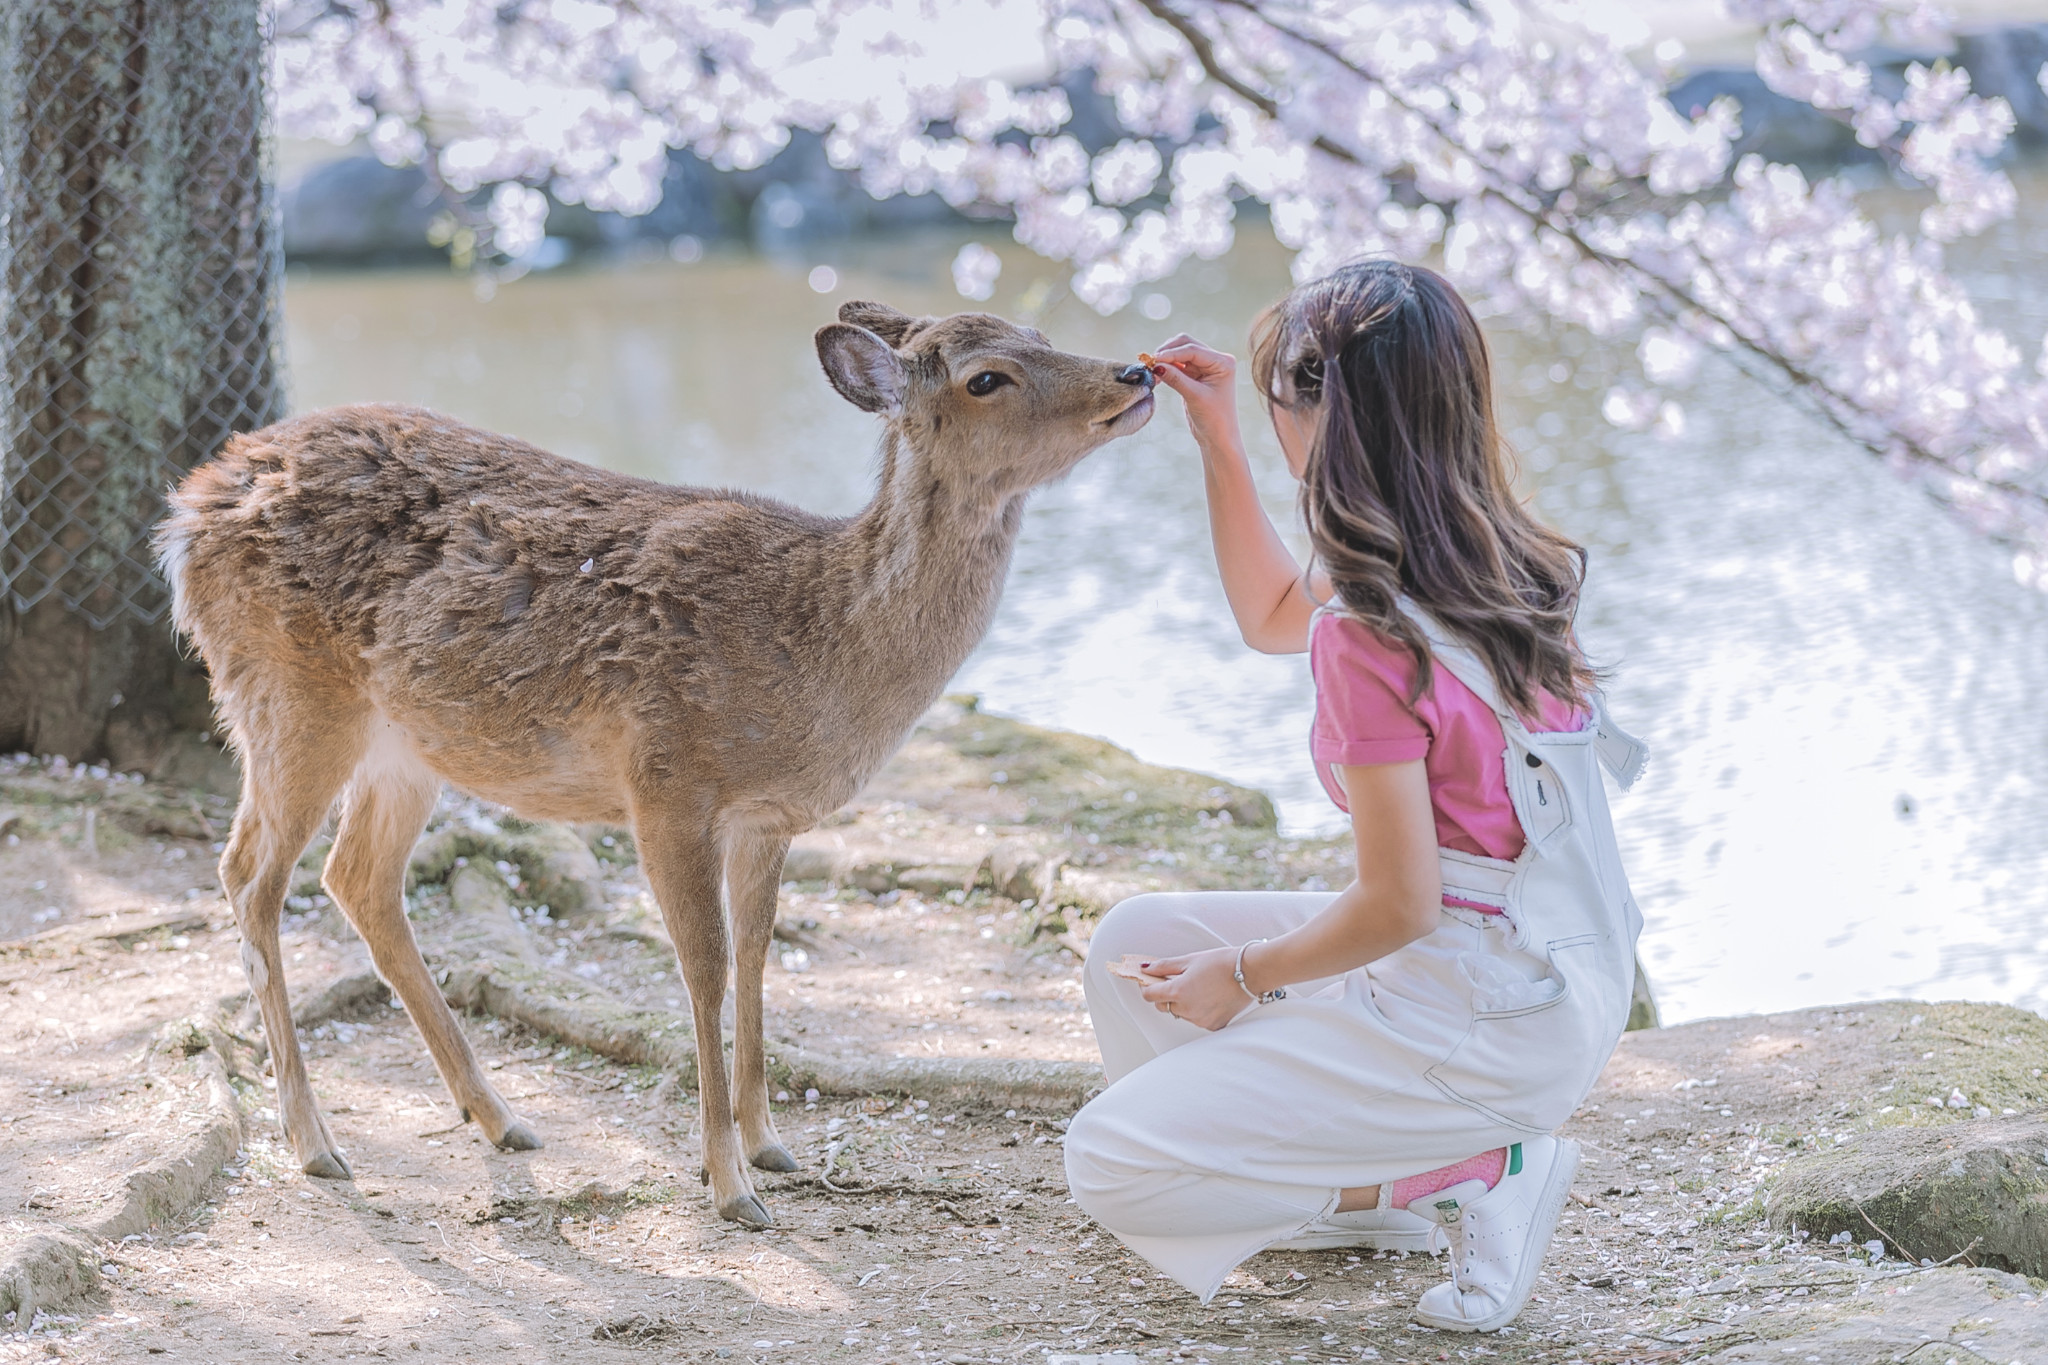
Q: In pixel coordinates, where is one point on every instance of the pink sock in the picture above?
(1487, 1166)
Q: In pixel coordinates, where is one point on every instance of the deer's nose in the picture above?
(1136, 374)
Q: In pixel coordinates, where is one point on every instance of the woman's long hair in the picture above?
(1407, 488)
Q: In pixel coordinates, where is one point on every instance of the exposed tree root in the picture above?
(660, 1038)
(46, 1268)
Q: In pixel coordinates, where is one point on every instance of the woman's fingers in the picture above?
(1203, 366)
(1193, 353)
(1192, 374)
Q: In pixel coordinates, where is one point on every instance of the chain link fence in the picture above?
(139, 267)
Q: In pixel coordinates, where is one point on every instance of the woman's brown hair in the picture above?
(1407, 488)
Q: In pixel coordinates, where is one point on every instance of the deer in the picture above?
(388, 600)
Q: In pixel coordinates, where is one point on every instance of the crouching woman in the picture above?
(1381, 1067)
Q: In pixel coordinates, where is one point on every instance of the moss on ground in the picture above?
(1995, 1055)
(1120, 814)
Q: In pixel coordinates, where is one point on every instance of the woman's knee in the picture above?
(1097, 1176)
(1134, 924)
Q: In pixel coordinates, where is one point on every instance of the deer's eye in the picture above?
(986, 383)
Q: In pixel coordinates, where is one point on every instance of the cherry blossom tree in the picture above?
(1535, 158)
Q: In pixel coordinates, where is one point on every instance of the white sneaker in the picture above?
(1497, 1237)
(1379, 1229)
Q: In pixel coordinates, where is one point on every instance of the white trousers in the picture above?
(1209, 1146)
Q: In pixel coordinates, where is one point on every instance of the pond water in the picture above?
(1845, 800)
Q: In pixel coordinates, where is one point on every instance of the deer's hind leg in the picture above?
(386, 804)
(295, 761)
(753, 873)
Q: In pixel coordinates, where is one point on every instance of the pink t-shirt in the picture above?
(1363, 717)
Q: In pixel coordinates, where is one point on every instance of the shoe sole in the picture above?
(1414, 1242)
(1549, 1207)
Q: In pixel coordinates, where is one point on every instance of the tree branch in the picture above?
(1837, 408)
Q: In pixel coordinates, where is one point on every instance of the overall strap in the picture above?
(1465, 665)
(1621, 753)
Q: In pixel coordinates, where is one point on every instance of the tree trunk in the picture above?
(139, 271)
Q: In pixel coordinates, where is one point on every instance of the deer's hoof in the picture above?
(774, 1157)
(746, 1210)
(328, 1165)
(519, 1138)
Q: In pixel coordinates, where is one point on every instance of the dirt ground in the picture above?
(957, 1241)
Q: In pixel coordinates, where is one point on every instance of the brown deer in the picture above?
(389, 600)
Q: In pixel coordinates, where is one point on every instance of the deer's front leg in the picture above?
(753, 872)
(682, 864)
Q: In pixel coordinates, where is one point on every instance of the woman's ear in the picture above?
(863, 367)
(1294, 428)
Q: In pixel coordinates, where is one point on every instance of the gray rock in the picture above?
(1019, 872)
(1943, 1315)
(873, 878)
(1096, 893)
(936, 879)
(1931, 1191)
(557, 868)
(1642, 1004)
(814, 863)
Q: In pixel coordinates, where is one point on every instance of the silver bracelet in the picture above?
(1277, 993)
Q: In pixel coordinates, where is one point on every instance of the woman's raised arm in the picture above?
(1269, 593)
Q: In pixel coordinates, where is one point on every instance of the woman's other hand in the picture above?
(1198, 987)
(1206, 380)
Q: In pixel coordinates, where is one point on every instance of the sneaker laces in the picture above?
(1450, 1238)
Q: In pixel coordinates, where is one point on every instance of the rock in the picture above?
(1095, 893)
(1943, 1315)
(1246, 806)
(1019, 872)
(814, 863)
(191, 760)
(561, 872)
(348, 994)
(1642, 1005)
(477, 889)
(873, 878)
(936, 879)
(557, 868)
(1932, 1191)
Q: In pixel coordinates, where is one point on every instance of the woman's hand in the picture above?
(1198, 987)
(1206, 380)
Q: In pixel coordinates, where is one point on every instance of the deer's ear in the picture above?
(885, 322)
(867, 373)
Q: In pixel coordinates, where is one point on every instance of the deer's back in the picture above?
(476, 587)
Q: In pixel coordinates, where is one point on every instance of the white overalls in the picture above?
(1209, 1146)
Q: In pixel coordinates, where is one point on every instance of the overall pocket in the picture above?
(1536, 1045)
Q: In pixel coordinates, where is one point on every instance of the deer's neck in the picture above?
(927, 567)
